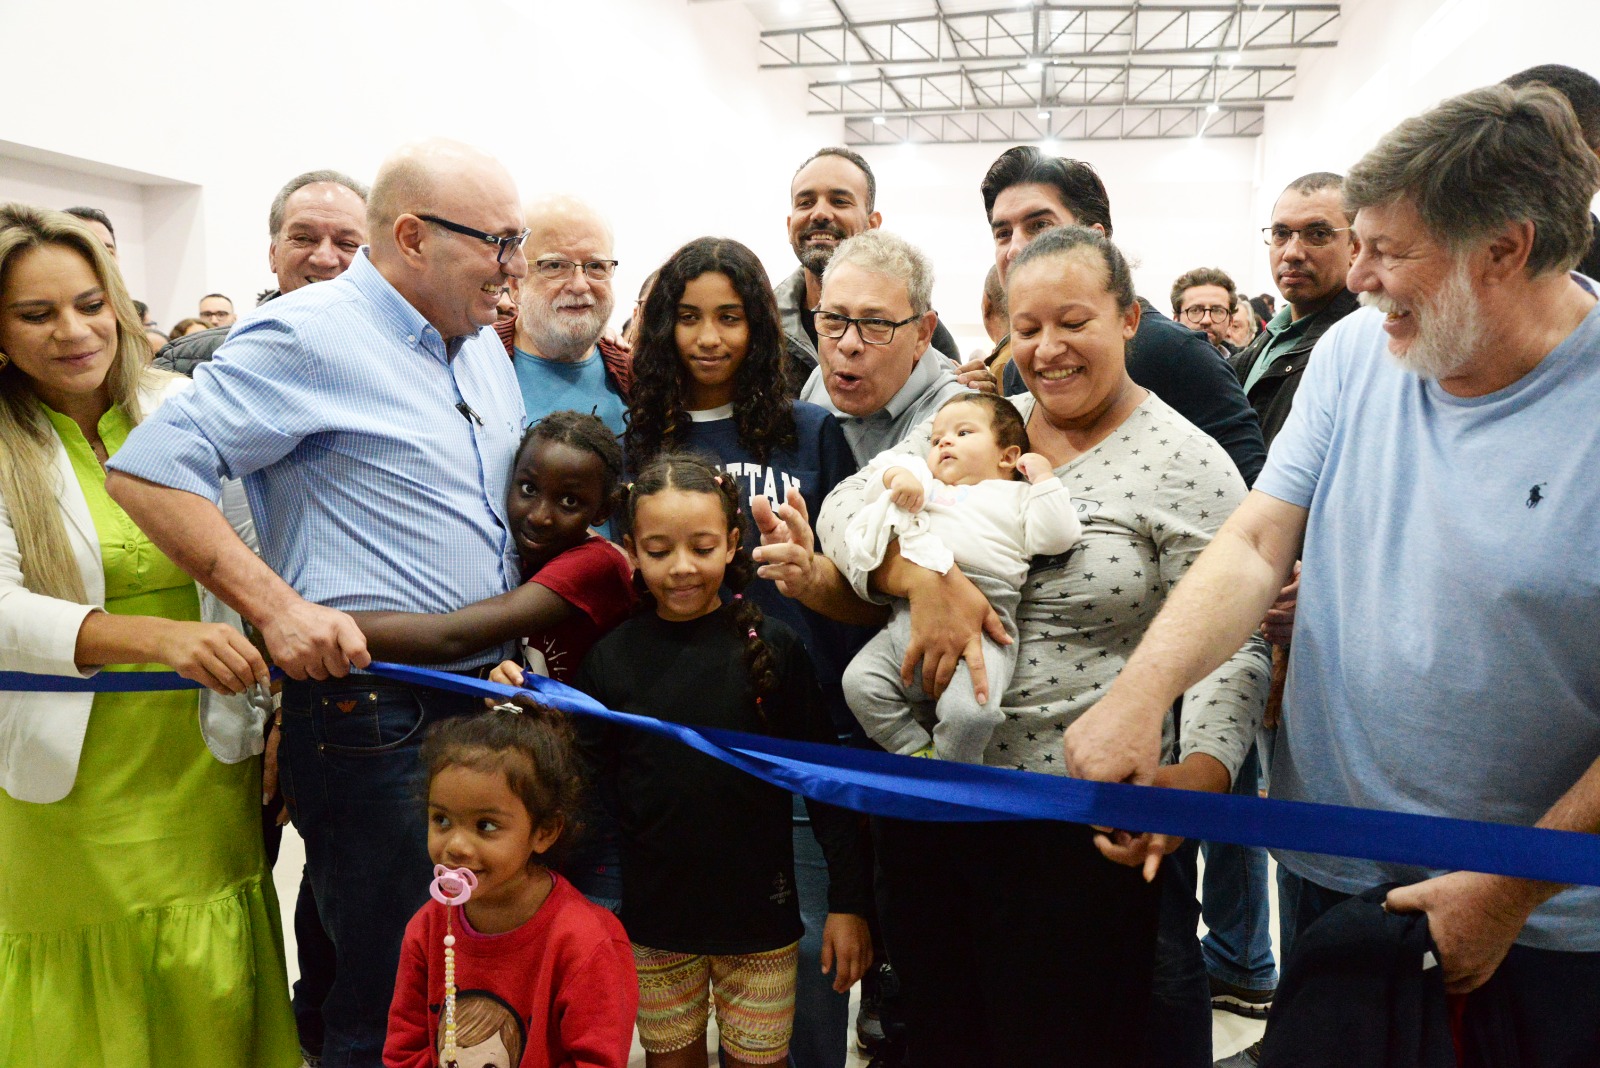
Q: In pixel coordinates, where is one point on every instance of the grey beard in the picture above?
(1451, 330)
(560, 341)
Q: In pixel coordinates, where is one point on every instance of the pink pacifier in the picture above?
(452, 886)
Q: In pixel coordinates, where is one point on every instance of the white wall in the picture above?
(160, 246)
(53, 186)
(1396, 58)
(652, 109)
(1174, 206)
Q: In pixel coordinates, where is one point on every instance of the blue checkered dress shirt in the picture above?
(337, 405)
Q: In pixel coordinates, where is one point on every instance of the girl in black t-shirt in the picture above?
(708, 891)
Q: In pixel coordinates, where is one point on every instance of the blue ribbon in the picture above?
(105, 682)
(886, 785)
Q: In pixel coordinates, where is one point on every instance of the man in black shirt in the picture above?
(1026, 193)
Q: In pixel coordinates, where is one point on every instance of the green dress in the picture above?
(138, 924)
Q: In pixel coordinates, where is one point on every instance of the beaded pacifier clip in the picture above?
(450, 886)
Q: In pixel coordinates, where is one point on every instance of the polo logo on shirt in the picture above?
(1535, 494)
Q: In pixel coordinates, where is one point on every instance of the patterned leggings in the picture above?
(754, 995)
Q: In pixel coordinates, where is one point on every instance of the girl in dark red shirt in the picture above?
(577, 585)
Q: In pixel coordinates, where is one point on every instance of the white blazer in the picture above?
(41, 734)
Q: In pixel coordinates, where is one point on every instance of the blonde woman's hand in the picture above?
(212, 654)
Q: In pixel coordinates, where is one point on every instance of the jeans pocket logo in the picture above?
(345, 706)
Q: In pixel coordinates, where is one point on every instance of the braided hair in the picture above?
(533, 749)
(692, 473)
(763, 412)
(580, 431)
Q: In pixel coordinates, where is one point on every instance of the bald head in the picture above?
(427, 176)
(445, 271)
(565, 214)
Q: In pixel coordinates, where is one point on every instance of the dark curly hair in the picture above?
(533, 749)
(580, 431)
(691, 473)
(763, 410)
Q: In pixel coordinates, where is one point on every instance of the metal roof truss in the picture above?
(1056, 85)
(1051, 31)
(1095, 123)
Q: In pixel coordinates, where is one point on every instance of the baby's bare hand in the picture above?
(905, 489)
(1034, 467)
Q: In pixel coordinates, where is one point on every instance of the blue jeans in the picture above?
(821, 1016)
(315, 955)
(354, 786)
(1234, 903)
(1178, 1031)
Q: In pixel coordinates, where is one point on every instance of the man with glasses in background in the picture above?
(1309, 246)
(563, 306)
(1205, 299)
(216, 309)
(876, 371)
(373, 419)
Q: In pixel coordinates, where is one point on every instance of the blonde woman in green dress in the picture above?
(138, 927)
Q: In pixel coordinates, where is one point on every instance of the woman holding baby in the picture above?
(1017, 942)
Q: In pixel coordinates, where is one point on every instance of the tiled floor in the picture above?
(1229, 1033)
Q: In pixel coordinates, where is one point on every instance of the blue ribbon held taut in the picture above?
(882, 784)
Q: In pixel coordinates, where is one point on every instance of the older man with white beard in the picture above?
(563, 306)
(1438, 470)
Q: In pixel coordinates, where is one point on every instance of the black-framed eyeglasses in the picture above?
(504, 246)
(554, 267)
(1197, 313)
(873, 331)
(1314, 236)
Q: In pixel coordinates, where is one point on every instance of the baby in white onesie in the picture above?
(966, 507)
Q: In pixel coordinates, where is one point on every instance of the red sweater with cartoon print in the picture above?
(558, 992)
